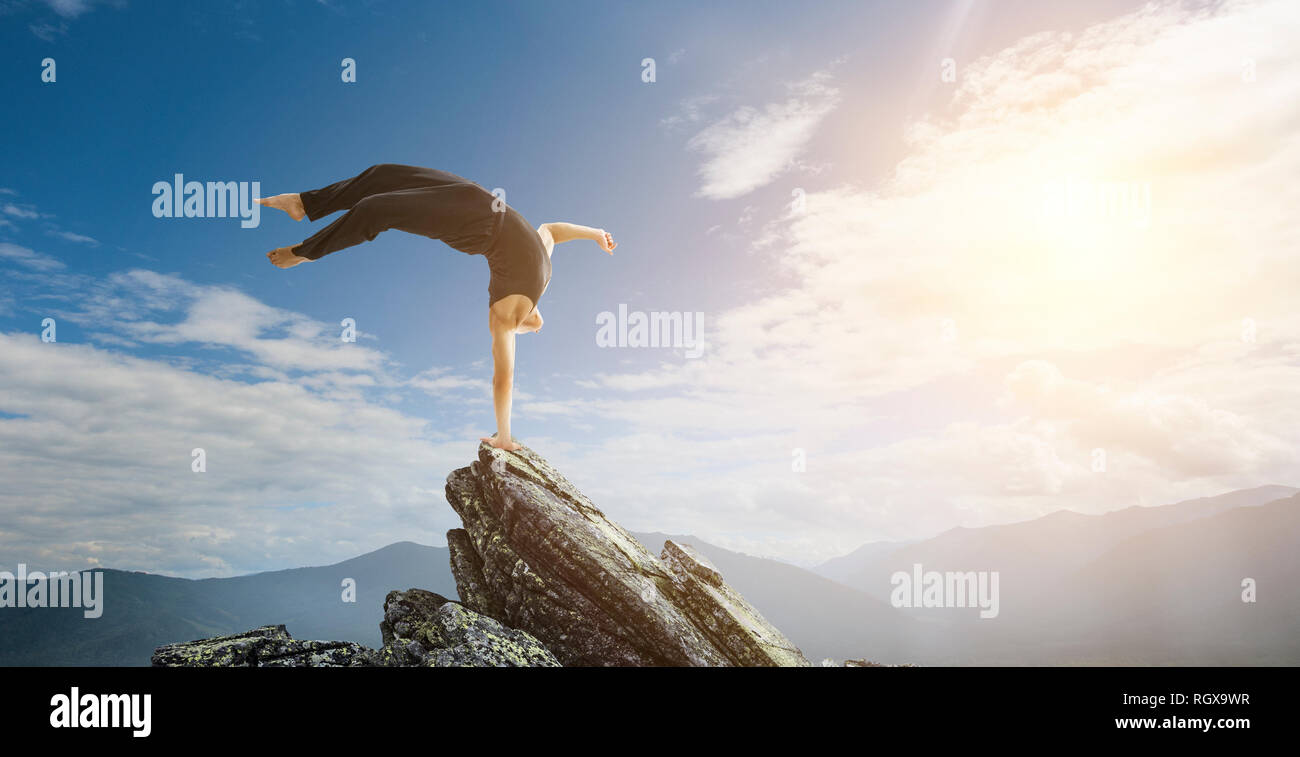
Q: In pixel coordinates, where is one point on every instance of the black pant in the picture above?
(424, 201)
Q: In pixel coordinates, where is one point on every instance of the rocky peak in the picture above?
(537, 555)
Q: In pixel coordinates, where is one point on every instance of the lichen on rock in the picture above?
(267, 646)
(426, 629)
(419, 628)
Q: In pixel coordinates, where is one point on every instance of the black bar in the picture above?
(989, 706)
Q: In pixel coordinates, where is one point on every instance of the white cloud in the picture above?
(74, 237)
(690, 112)
(47, 31)
(19, 211)
(752, 146)
(98, 462)
(955, 348)
(69, 8)
(303, 441)
(216, 316)
(29, 258)
(438, 382)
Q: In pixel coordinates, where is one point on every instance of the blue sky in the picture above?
(693, 174)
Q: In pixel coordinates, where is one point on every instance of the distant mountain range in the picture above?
(1140, 586)
(143, 611)
(1035, 552)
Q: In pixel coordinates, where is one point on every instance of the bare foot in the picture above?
(289, 203)
(283, 257)
(511, 446)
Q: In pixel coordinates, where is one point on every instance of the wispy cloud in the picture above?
(29, 258)
(47, 31)
(690, 112)
(751, 146)
(73, 237)
(163, 309)
(69, 8)
(439, 382)
(66, 11)
(19, 211)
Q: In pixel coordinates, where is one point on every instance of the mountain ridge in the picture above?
(1133, 519)
(823, 616)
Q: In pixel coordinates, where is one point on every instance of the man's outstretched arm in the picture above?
(567, 232)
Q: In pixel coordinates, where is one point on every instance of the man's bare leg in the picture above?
(290, 203)
(283, 257)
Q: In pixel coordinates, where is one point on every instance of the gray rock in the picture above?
(870, 664)
(539, 556)
(268, 646)
(729, 621)
(426, 629)
(419, 628)
(467, 570)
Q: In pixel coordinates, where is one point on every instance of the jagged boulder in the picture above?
(745, 636)
(539, 556)
(268, 646)
(421, 628)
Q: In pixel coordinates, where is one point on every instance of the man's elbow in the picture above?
(560, 232)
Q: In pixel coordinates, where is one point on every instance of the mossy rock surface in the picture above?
(268, 646)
